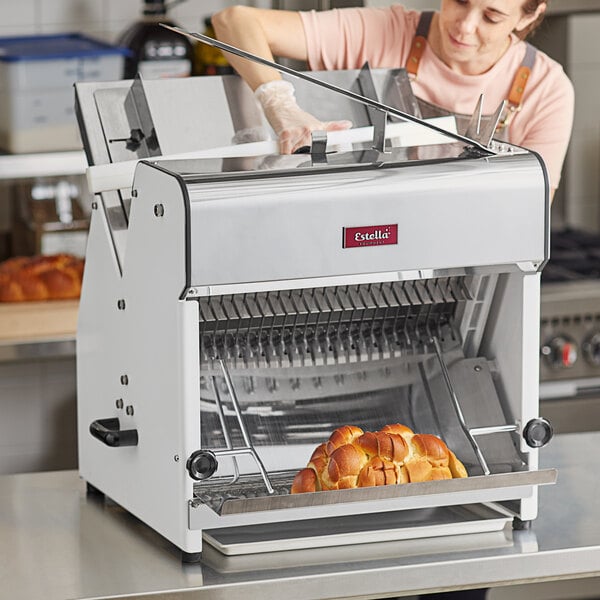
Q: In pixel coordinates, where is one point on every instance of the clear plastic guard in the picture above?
(393, 123)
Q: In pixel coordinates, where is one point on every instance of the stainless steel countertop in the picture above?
(37, 349)
(57, 543)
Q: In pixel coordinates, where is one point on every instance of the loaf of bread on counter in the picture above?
(352, 458)
(29, 278)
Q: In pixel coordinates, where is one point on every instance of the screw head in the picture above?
(176, 458)
(121, 304)
(134, 193)
(124, 380)
(159, 210)
(94, 205)
(129, 410)
(119, 403)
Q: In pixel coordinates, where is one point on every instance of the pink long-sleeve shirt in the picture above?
(346, 38)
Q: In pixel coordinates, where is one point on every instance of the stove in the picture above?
(574, 256)
(570, 332)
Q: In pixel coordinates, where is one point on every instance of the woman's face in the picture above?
(472, 29)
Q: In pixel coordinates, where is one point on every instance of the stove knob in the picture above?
(560, 352)
(591, 349)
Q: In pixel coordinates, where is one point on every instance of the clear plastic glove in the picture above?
(292, 125)
(250, 135)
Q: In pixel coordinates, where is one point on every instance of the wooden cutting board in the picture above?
(30, 321)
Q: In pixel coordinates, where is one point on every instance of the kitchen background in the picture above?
(568, 35)
(37, 395)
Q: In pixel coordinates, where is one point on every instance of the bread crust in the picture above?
(352, 458)
(35, 278)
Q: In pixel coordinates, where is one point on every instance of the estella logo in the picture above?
(373, 235)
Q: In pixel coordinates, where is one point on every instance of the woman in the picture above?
(467, 48)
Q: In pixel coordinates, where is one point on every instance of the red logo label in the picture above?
(375, 235)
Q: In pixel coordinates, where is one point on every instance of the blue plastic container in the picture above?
(37, 74)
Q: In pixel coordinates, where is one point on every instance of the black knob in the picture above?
(202, 464)
(538, 432)
(560, 352)
(591, 349)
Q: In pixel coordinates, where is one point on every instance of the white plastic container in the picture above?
(36, 88)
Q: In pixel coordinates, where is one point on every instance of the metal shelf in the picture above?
(44, 164)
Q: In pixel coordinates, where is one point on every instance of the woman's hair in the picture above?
(529, 7)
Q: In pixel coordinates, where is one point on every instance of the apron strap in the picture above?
(419, 42)
(517, 90)
(515, 96)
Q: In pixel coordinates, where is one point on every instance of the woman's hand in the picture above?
(264, 32)
(292, 125)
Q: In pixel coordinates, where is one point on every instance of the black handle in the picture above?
(108, 431)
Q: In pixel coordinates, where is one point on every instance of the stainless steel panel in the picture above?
(284, 230)
(572, 414)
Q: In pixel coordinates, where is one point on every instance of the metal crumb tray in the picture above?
(358, 529)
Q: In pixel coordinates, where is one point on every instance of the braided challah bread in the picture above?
(354, 458)
(27, 278)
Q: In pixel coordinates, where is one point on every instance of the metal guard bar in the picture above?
(428, 488)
